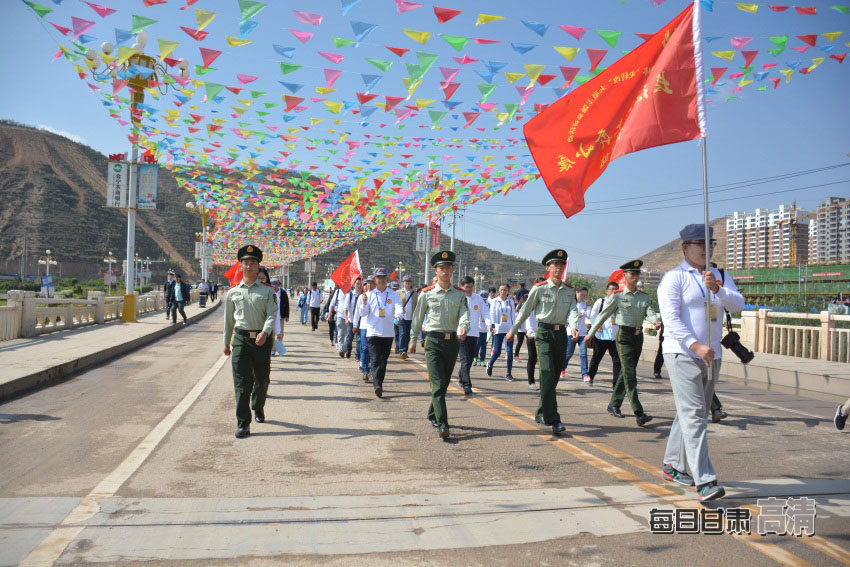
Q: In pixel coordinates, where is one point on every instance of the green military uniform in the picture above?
(630, 309)
(446, 311)
(554, 307)
(249, 309)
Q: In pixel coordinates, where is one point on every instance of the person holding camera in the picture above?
(693, 361)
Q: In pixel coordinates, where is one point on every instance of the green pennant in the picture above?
(779, 41)
(436, 116)
(257, 94)
(728, 98)
(38, 8)
(250, 8)
(140, 23)
(582, 79)
(511, 108)
(457, 42)
(843, 9)
(380, 64)
(212, 89)
(486, 91)
(426, 61)
(746, 70)
(262, 113)
(415, 71)
(287, 68)
(610, 37)
(761, 89)
(339, 42)
(270, 104)
(203, 71)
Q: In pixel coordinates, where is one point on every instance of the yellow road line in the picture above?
(770, 550)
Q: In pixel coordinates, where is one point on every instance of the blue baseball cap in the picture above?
(695, 233)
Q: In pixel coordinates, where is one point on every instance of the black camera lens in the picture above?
(732, 341)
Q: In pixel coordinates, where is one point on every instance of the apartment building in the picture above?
(829, 232)
(767, 238)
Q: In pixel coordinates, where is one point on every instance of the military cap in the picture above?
(695, 233)
(632, 266)
(443, 257)
(380, 272)
(250, 251)
(275, 280)
(407, 278)
(557, 255)
(394, 285)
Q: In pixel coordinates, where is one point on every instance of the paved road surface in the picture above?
(135, 462)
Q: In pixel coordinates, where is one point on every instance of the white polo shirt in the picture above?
(370, 312)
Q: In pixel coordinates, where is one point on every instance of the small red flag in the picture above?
(234, 274)
(394, 275)
(347, 272)
(619, 278)
(649, 97)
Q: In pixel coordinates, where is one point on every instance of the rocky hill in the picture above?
(669, 255)
(53, 192)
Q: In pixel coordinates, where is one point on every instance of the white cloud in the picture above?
(63, 133)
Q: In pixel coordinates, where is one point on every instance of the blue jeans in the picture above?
(582, 353)
(482, 346)
(404, 331)
(304, 311)
(498, 340)
(363, 352)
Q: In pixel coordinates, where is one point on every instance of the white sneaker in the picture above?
(533, 387)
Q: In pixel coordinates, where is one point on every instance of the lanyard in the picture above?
(378, 298)
(699, 285)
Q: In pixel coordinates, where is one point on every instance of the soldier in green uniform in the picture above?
(553, 303)
(631, 307)
(446, 311)
(249, 316)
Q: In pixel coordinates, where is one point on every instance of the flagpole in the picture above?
(707, 240)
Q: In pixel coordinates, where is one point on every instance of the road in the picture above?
(135, 462)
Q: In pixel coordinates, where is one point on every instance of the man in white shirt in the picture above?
(408, 304)
(693, 360)
(348, 312)
(479, 320)
(378, 308)
(582, 307)
(337, 311)
(314, 300)
(605, 338)
(359, 327)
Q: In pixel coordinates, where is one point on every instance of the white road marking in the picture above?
(49, 550)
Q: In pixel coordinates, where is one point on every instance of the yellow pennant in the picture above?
(832, 36)
(424, 103)
(787, 73)
(324, 90)
(235, 41)
(514, 77)
(124, 53)
(533, 72)
(728, 55)
(487, 19)
(204, 17)
(750, 8)
(166, 47)
(568, 52)
(334, 107)
(419, 37)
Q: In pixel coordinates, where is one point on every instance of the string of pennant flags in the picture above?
(283, 135)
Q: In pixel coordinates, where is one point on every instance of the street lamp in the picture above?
(141, 72)
(109, 260)
(204, 211)
(136, 269)
(47, 260)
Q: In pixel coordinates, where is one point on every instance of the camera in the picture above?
(732, 341)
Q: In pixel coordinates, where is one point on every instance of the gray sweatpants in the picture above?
(692, 392)
(342, 331)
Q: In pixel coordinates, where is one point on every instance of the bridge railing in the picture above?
(27, 315)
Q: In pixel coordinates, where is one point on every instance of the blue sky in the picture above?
(638, 204)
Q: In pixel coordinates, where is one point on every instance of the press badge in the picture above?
(504, 318)
(381, 312)
(713, 312)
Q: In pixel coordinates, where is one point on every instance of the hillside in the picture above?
(669, 255)
(53, 190)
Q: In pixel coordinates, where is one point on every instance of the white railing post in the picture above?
(100, 309)
(825, 335)
(28, 314)
(761, 332)
(16, 302)
(749, 329)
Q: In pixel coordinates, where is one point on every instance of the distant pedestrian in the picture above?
(314, 301)
(408, 305)
(605, 339)
(581, 306)
(502, 317)
(304, 305)
(479, 318)
(180, 297)
(169, 294)
(378, 308)
(530, 328)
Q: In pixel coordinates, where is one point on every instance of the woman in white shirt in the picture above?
(581, 306)
(502, 317)
(605, 338)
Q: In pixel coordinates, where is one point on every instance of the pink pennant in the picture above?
(117, 85)
(804, 11)
(102, 11)
(63, 30)
(332, 57)
(658, 2)
(391, 102)
(197, 35)
(182, 81)
(802, 48)
(596, 56)
(775, 82)
(465, 60)
(769, 66)
(149, 3)
(245, 79)
(80, 26)
(569, 74)
(739, 42)
(208, 56)
(524, 93)
(449, 74)
(449, 89)
(734, 76)
(308, 18)
(486, 106)
(481, 41)
(573, 31)
(303, 37)
(403, 6)
(778, 8)
(331, 75)
(470, 117)
(188, 3)
(748, 57)
(445, 14)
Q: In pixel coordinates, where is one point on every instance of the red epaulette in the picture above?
(457, 287)
(538, 284)
(429, 288)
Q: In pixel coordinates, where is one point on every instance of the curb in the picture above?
(61, 372)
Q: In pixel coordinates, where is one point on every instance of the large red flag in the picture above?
(648, 98)
(234, 274)
(347, 272)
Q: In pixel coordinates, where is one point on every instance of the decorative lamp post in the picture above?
(109, 260)
(47, 260)
(204, 210)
